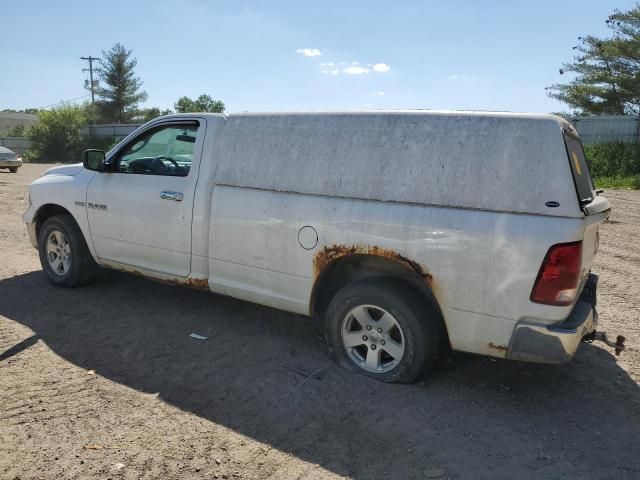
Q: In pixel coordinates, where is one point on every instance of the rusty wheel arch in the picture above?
(336, 266)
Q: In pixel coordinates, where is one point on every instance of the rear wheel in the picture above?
(13, 169)
(383, 330)
(64, 255)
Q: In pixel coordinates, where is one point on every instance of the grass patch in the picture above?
(627, 182)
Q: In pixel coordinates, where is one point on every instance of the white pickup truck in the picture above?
(407, 232)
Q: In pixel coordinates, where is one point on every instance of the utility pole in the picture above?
(91, 60)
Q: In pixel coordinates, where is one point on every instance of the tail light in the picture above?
(559, 276)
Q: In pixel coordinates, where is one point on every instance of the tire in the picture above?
(406, 344)
(13, 169)
(64, 255)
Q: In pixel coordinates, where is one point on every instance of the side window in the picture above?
(579, 169)
(166, 150)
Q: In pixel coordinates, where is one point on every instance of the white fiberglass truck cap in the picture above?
(408, 233)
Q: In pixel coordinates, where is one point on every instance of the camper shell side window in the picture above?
(579, 169)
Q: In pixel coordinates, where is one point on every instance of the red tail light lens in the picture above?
(559, 276)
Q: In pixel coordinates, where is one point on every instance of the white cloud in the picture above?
(379, 93)
(381, 67)
(368, 104)
(457, 76)
(349, 68)
(309, 52)
(355, 70)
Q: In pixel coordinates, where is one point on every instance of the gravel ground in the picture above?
(105, 382)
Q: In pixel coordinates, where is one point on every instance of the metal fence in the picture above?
(17, 144)
(114, 131)
(620, 128)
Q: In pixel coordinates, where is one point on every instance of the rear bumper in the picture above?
(10, 163)
(557, 343)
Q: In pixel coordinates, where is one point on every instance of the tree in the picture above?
(57, 137)
(607, 71)
(204, 103)
(119, 98)
(26, 110)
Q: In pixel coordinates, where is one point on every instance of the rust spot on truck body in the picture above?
(501, 348)
(198, 283)
(329, 254)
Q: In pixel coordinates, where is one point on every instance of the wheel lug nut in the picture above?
(365, 338)
(382, 342)
(368, 327)
(379, 330)
(373, 347)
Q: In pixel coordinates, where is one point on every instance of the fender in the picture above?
(68, 186)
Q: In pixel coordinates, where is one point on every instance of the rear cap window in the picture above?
(579, 169)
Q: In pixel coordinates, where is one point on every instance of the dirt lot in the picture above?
(163, 405)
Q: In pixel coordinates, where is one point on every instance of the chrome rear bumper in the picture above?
(557, 343)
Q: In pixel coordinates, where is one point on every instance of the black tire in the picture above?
(82, 268)
(13, 169)
(418, 323)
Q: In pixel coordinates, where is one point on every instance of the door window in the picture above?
(166, 150)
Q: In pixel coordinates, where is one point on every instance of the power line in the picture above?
(63, 101)
(90, 59)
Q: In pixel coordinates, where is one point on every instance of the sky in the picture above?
(302, 55)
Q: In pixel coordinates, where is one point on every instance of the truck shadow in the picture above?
(474, 417)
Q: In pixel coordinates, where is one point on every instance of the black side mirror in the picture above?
(93, 159)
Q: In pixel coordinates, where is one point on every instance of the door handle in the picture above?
(175, 196)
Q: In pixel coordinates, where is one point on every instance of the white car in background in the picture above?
(10, 159)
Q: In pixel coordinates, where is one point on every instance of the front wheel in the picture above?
(383, 330)
(64, 255)
(13, 169)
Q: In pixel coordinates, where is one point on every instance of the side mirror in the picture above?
(94, 160)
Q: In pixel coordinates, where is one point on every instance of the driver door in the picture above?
(140, 211)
